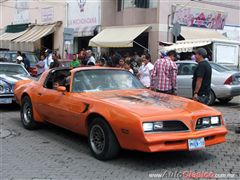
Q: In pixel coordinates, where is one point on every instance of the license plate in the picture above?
(5, 100)
(194, 144)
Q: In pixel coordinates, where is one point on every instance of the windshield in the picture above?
(13, 69)
(219, 68)
(104, 79)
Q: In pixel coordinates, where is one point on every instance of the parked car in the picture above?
(9, 74)
(225, 82)
(10, 56)
(114, 109)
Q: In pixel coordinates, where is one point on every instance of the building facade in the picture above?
(86, 18)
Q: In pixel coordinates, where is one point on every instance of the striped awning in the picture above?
(6, 38)
(36, 33)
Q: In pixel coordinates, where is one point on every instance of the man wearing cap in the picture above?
(164, 74)
(48, 60)
(201, 84)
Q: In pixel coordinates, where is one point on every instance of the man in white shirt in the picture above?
(48, 60)
(91, 59)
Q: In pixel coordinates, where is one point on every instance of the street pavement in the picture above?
(55, 153)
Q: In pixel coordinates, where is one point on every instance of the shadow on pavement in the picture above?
(9, 107)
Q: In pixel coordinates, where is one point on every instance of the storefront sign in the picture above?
(22, 13)
(47, 14)
(196, 17)
(83, 14)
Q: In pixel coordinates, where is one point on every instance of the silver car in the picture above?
(225, 82)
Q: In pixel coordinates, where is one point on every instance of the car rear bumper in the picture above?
(226, 91)
(179, 141)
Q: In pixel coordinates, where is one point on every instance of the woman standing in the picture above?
(40, 65)
(144, 72)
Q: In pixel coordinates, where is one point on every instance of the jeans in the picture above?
(203, 99)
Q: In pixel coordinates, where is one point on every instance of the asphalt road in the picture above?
(55, 153)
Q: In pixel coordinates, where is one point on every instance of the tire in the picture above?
(102, 141)
(225, 100)
(27, 115)
(212, 98)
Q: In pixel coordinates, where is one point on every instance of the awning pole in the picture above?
(141, 46)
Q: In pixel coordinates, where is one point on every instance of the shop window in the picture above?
(142, 3)
(122, 4)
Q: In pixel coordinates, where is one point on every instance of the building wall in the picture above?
(232, 8)
(132, 16)
(33, 14)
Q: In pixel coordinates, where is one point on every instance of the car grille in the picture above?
(173, 126)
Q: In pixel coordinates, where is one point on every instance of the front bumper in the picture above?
(179, 140)
(7, 98)
(226, 91)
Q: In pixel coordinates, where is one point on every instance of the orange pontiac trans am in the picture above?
(114, 110)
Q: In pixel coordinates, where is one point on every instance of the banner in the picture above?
(47, 14)
(196, 17)
(22, 13)
(83, 14)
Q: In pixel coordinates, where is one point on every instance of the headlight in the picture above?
(206, 122)
(1, 89)
(147, 127)
(152, 126)
(157, 125)
(215, 120)
(4, 87)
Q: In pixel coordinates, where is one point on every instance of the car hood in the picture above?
(12, 79)
(147, 103)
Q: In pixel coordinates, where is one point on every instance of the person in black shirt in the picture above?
(201, 84)
(55, 62)
(26, 61)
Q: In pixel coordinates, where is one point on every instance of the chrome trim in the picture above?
(210, 127)
(6, 95)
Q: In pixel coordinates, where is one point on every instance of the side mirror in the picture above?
(61, 88)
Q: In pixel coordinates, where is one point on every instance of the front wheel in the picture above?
(102, 141)
(27, 114)
(212, 98)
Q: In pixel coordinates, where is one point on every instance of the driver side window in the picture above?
(58, 78)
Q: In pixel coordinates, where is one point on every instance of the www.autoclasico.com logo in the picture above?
(81, 4)
(190, 175)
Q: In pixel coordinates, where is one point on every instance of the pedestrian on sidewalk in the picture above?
(40, 65)
(75, 62)
(145, 70)
(55, 62)
(201, 84)
(164, 74)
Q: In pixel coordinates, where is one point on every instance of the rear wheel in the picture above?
(102, 141)
(225, 100)
(27, 114)
(212, 98)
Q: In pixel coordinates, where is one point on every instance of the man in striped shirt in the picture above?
(164, 74)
